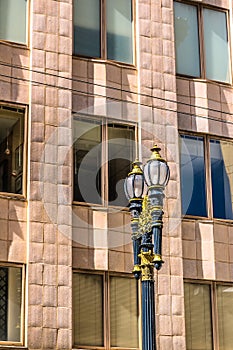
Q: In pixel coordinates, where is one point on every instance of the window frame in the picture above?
(208, 178)
(103, 122)
(22, 314)
(213, 305)
(27, 31)
(103, 37)
(201, 44)
(106, 275)
(23, 109)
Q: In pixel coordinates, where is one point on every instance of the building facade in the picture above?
(86, 87)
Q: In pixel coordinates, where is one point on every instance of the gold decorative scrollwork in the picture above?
(145, 219)
(147, 266)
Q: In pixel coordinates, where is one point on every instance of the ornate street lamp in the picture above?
(146, 225)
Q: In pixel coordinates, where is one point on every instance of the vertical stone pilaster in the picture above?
(50, 192)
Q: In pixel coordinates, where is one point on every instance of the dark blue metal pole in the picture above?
(148, 316)
(148, 296)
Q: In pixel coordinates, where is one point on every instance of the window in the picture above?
(193, 184)
(199, 197)
(198, 316)
(104, 29)
(222, 178)
(11, 149)
(225, 316)
(206, 324)
(13, 20)
(105, 310)
(202, 42)
(103, 153)
(10, 304)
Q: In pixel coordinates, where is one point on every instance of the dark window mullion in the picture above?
(104, 163)
(201, 42)
(209, 197)
(208, 193)
(228, 30)
(214, 310)
(3, 303)
(103, 30)
(107, 310)
(133, 14)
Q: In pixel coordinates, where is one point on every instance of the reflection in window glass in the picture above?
(186, 39)
(11, 149)
(123, 312)
(87, 28)
(104, 29)
(222, 178)
(87, 161)
(119, 30)
(120, 156)
(100, 166)
(13, 20)
(88, 309)
(217, 55)
(225, 316)
(198, 316)
(193, 183)
(10, 303)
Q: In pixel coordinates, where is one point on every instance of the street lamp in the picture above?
(146, 224)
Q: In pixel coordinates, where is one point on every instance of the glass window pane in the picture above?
(225, 316)
(193, 183)
(87, 161)
(87, 28)
(11, 149)
(198, 317)
(186, 40)
(13, 20)
(121, 148)
(10, 303)
(119, 30)
(217, 54)
(88, 309)
(123, 312)
(222, 178)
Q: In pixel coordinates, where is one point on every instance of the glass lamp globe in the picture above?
(156, 170)
(134, 183)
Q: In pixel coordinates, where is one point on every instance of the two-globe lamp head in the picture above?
(156, 173)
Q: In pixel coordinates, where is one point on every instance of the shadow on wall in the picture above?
(13, 230)
(99, 88)
(211, 107)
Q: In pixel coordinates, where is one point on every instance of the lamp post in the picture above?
(146, 224)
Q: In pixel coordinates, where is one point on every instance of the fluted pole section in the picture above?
(148, 316)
